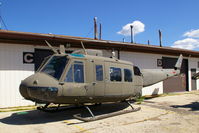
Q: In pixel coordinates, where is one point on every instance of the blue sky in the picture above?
(177, 19)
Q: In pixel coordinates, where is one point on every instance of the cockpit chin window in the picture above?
(55, 66)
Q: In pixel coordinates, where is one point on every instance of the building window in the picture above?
(159, 62)
(115, 74)
(137, 71)
(99, 72)
(127, 75)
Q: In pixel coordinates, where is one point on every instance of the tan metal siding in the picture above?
(12, 71)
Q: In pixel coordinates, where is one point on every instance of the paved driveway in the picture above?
(169, 114)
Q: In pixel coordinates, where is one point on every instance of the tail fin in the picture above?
(179, 63)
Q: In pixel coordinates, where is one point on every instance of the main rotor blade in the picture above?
(51, 47)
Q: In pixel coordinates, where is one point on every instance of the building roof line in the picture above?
(38, 38)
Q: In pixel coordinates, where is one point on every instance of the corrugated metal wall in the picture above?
(12, 71)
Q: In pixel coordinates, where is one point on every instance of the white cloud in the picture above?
(138, 27)
(188, 43)
(192, 33)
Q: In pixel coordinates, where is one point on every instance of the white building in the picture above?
(21, 54)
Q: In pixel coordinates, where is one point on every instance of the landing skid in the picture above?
(94, 118)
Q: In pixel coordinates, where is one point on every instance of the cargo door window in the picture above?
(99, 72)
(75, 73)
(127, 75)
(115, 74)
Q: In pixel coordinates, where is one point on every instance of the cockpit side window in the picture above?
(69, 76)
(55, 66)
(75, 73)
(79, 73)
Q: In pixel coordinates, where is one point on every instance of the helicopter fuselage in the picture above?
(80, 79)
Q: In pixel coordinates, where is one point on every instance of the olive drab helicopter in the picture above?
(86, 77)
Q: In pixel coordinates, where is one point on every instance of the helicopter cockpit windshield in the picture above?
(55, 66)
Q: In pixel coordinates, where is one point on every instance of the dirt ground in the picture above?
(177, 113)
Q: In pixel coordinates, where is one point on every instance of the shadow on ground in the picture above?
(194, 106)
(40, 117)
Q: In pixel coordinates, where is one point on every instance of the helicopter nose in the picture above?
(39, 87)
(23, 91)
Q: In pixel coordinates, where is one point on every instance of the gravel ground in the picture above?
(169, 114)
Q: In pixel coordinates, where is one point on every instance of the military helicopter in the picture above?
(85, 77)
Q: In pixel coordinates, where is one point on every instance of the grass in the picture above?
(140, 100)
(20, 108)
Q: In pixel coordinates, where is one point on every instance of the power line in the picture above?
(3, 23)
(89, 31)
(1, 19)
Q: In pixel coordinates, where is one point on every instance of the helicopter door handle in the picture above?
(94, 83)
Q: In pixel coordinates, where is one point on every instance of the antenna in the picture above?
(53, 49)
(100, 32)
(83, 48)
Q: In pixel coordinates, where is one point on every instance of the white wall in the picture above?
(12, 71)
(193, 63)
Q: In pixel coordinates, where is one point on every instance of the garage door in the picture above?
(178, 83)
(41, 54)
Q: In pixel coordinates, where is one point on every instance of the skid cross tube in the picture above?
(89, 111)
(129, 104)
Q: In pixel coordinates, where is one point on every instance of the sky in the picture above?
(178, 20)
